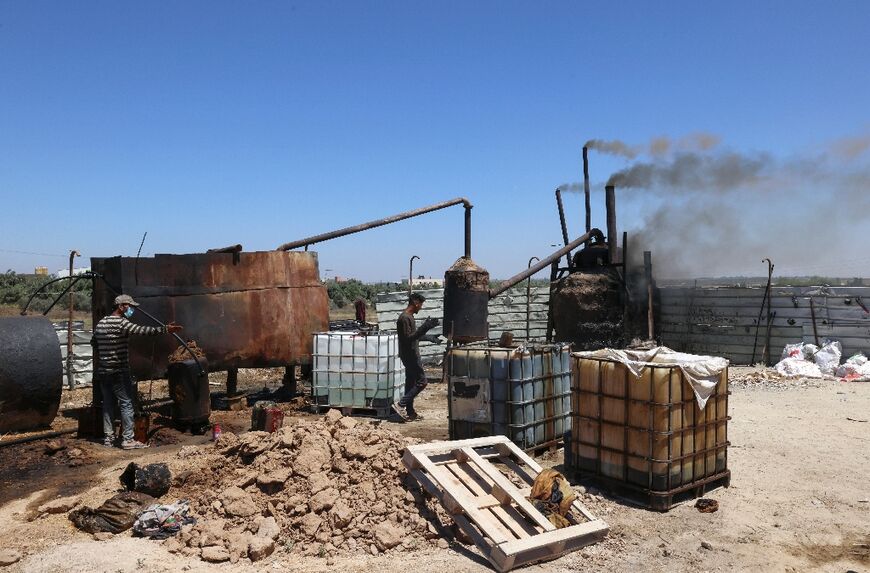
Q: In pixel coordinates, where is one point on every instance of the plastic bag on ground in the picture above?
(828, 357)
(798, 367)
(855, 369)
(161, 521)
(793, 351)
(117, 513)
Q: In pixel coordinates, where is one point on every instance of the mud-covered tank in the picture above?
(586, 308)
(466, 300)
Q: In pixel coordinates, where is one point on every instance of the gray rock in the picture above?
(706, 545)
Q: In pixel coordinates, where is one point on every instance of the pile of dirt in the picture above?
(769, 379)
(181, 354)
(332, 486)
(465, 274)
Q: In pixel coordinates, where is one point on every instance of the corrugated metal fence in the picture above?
(506, 312)
(722, 321)
(719, 321)
(83, 360)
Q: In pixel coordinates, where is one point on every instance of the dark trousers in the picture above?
(415, 382)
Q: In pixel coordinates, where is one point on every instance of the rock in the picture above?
(172, 544)
(706, 545)
(61, 505)
(323, 500)
(237, 545)
(314, 455)
(318, 482)
(238, 503)
(373, 548)
(215, 554)
(54, 446)
(268, 527)
(346, 423)
(442, 544)
(74, 453)
(387, 535)
(341, 514)
(211, 533)
(103, 536)
(355, 449)
(8, 557)
(273, 482)
(310, 523)
(260, 547)
(333, 416)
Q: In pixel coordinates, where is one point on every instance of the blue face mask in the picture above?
(129, 312)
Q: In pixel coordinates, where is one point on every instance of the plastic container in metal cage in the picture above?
(357, 371)
(647, 435)
(523, 393)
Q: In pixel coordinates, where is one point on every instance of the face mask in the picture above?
(129, 312)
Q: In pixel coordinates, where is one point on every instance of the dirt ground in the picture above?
(799, 498)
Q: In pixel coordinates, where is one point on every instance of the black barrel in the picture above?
(466, 301)
(188, 387)
(31, 373)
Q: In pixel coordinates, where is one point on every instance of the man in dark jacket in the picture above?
(409, 352)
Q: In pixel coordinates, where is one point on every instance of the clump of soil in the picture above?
(181, 354)
(465, 274)
(332, 486)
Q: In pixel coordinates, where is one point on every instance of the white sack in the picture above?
(798, 367)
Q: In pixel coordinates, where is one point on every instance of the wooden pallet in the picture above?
(490, 508)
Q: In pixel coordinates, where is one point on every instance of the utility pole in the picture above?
(70, 380)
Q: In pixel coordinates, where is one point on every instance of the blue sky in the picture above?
(212, 123)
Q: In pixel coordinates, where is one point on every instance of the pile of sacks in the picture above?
(809, 360)
(332, 486)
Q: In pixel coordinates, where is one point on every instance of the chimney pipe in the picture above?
(610, 206)
(586, 188)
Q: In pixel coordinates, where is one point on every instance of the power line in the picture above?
(30, 253)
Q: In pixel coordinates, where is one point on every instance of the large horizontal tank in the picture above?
(245, 310)
(31, 377)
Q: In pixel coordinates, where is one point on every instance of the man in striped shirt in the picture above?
(113, 369)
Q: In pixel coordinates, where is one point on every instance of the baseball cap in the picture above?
(125, 299)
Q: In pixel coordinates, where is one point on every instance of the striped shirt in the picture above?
(111, 338)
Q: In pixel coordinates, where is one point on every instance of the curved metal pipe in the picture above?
(386, 221)
(544, 263)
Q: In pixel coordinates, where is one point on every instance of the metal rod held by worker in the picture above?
(610, 206)
(386, 221)
(562, 222)
(544, 263)
(586, 191)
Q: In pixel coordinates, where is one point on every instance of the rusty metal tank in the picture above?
(245, 310)
(466, 300)
(31, 375)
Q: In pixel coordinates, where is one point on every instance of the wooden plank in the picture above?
(455, 493)
(448, 446)
(473, 481)
(506, 487)
(555, 540)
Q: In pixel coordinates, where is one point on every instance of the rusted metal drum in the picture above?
(587, 310)
(190, 392)
(31, 375)
(466, 301)
(248, 310)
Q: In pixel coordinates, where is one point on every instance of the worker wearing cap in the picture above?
(111, 338)
(409, 353)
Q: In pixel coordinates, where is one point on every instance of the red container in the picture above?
(274, 419)
(215, 432)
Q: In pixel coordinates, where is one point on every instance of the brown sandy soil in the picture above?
(799, 499)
